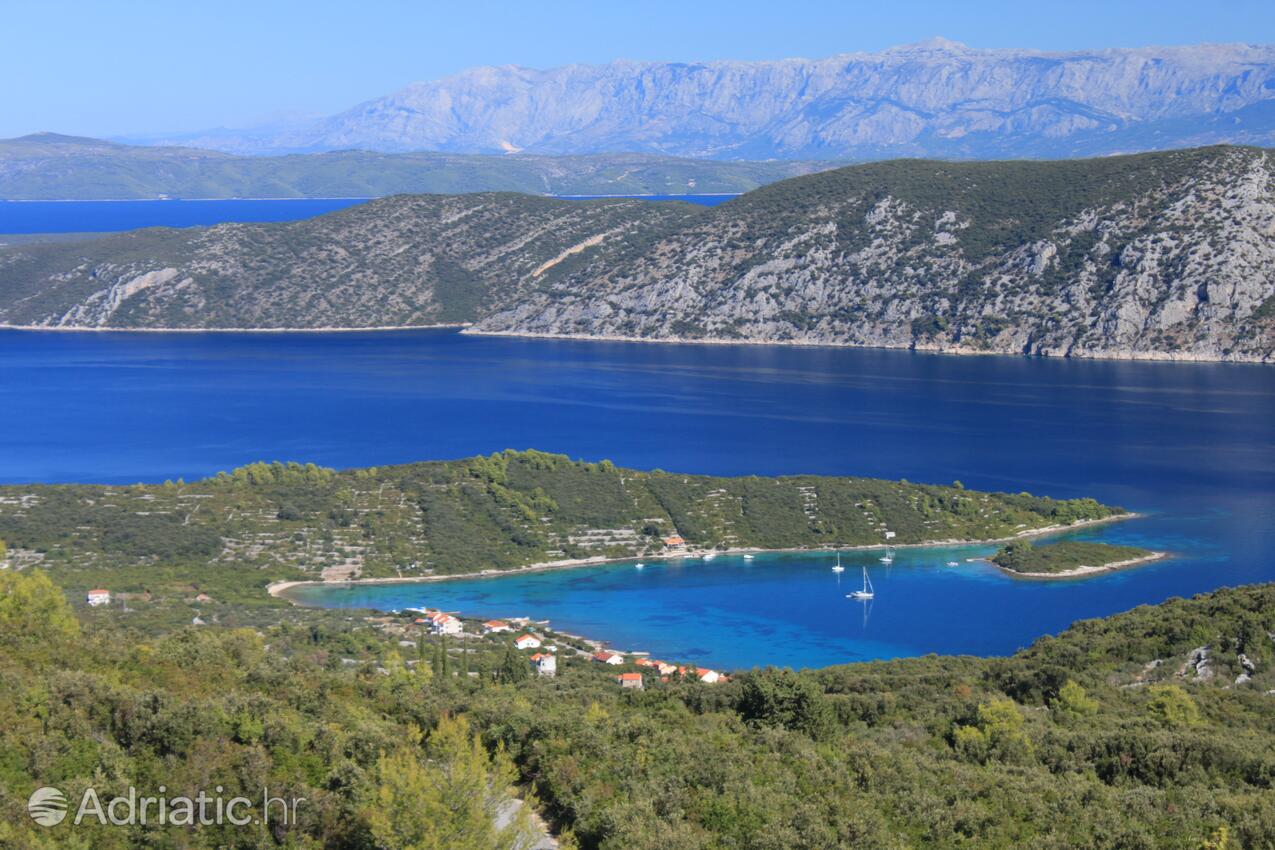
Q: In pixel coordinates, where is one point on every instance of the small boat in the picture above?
(867, 592)
(708, 556)
(749, 557)
(838, 568)
(638, 566)
(888, 557)
(953, 563)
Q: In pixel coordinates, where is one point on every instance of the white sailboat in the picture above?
(639, 566)
(838, 568)
(888, 557)
(748, 557)
(867, 592)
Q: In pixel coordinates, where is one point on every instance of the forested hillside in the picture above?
(234, 533)
(1151, 729)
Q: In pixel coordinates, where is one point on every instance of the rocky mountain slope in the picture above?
(938, 98)
(1168, 255)
(52, 166)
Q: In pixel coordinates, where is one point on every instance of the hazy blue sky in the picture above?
(122, 67)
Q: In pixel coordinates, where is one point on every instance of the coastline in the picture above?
(325, 330)
(1084, 570)
(963, 351)
(279, 589)
(469, 329)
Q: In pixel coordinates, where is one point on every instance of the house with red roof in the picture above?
(97, 597)
(605, 657)
(527, 641)
(492, 627)
(630, 680)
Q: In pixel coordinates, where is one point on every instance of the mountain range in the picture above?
(1162, 255)
(935, 99)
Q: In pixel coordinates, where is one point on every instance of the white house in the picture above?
(527, 641)
(545, 664)
(492, 627)
(612, 658)
(98, 597)
(445, 624)
(708, 676)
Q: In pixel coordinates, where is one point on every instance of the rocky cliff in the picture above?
(938, 98)
(1168, 255)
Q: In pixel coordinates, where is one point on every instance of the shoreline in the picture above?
(468, 329)
(376, 329)
(279, 589)
(1084, 570)
(960, 351)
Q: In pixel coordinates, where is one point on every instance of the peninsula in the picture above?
(234, 534)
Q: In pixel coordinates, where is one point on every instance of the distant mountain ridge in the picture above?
(937, 99)
(1162, 255)
(51, 166)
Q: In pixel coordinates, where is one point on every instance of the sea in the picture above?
(1189, 446)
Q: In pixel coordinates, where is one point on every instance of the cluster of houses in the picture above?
(665, 670)
(441, 623)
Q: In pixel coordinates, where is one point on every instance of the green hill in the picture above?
(1151, 729)
(240, 530)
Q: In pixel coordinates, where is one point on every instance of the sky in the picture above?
(134, 68)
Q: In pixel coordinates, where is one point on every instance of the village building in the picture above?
(445, 624)
(604, 657)
(98, 597)
(492, 627)
(675, 541)
(630, 680)
(545, 664)
(527, 641)
(707, 676)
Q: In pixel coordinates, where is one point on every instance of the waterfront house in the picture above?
(630, 680)
(98, 597)
(545, 664)
(707, 676)
(645, 662)
(675, 541)
(665, 668)
(527, 641)
(492, 627)
(605, 657)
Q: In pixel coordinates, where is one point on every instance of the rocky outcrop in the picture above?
(937, 98)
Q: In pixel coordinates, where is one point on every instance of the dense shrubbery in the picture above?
(1023, 557)
(1078, 741)
(500, 511)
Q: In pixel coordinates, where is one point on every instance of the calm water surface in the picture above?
(1193, 446)
(110, 216)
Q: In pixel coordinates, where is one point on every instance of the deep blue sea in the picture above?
(109, 216)
(1191, 445)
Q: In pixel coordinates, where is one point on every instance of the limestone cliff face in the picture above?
(1165, 259)
(1168, 255)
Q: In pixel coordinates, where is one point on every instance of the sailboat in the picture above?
(888, 557)
(867, 592)
(639, 566)
(748, 557)
(838, 568)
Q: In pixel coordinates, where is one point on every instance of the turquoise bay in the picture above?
(1192, 446)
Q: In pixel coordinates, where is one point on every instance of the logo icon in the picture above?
(47, 806)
